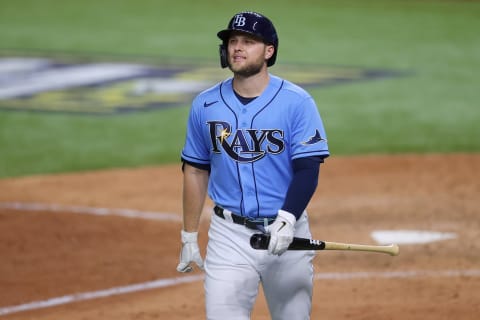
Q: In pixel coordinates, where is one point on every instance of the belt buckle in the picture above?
(252, 224)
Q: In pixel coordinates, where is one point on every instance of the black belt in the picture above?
(247, 222)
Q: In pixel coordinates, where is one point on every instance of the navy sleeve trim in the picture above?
(200, 166)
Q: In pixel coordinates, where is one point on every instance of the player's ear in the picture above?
(270, 49)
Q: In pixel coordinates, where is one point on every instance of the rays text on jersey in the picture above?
(245, 145)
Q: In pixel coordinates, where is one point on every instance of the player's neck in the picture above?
(251, 86)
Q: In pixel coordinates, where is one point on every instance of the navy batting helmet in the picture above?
(252, 23)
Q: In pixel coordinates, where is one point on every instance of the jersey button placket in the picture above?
(246, 169)
(243, 118)
(248, 187)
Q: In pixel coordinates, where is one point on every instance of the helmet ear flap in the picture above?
(223, 55)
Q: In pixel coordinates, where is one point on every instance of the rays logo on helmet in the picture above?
(245, 145)
(239, 20)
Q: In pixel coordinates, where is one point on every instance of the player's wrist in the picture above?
(188, 237)
(287, 216)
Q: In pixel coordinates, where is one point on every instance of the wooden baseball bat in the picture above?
(260, 241)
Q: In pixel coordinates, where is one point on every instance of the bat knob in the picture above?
(259, 241)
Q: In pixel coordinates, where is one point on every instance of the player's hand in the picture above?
(281, 232)
(190, 252)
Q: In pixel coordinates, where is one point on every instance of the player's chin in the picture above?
(245, 70)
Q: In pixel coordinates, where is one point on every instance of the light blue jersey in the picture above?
(250, 147)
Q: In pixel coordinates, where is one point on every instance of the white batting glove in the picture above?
(281, 232)
(190, 252)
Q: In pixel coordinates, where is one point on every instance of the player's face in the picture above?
(247, 55)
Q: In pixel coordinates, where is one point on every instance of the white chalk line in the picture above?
(128, 213)
(163, 283)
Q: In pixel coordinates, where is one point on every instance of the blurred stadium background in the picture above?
(430, 104)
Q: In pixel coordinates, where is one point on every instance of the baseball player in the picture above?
(254, 142)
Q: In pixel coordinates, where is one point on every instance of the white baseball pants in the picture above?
(234, 271)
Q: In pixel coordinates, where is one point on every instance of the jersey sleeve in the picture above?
(308, 133)
(195, 149)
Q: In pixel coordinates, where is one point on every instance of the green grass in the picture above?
(433, 108)
(52, 143)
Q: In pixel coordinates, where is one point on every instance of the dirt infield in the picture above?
(66, 239)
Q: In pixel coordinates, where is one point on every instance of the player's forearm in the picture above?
(195, 183)
(303, 185)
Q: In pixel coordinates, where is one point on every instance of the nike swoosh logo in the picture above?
(208, 104)
(283, 225)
